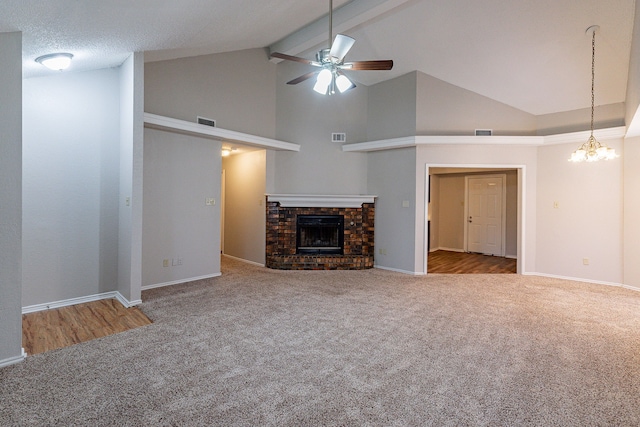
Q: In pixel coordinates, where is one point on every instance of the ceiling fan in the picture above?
(331, 62)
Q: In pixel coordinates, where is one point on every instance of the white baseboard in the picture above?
(448, 249)
(511, 256)
(13, 360)
(79, 300)
(177, 282)
(243, 260)
(579, 279)
(397, 270)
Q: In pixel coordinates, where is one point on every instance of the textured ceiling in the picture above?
(533, 55)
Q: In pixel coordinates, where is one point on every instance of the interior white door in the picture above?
(484, 228)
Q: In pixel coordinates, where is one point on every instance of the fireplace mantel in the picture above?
(320, 201)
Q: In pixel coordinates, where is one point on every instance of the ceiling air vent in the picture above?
(484, 132)
(338, 137)
(206, 122)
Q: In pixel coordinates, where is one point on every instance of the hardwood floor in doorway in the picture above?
(61, 327)
(447, 262)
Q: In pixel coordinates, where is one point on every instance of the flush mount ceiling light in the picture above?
(226, 151)
(331, 61)
(55, 61)
(593, 150)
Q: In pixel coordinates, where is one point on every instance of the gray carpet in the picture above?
(259, 347)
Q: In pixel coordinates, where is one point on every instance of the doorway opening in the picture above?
(474, 219)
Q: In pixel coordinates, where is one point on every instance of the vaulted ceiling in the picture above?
(532, 55)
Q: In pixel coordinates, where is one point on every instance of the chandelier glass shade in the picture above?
(593, 150)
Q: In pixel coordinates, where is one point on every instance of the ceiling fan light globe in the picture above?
(343, 83)
(324, 77)
(321, 88)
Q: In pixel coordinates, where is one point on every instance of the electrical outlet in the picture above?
(165, 263)
(585, 261)
(179, 261)
(556, 205)
(210, 201)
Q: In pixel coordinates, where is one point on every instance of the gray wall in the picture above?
(632, 101)
(244, 205)
(392, 177)
(605, 116)
(308, 118)
(445, 109)
(10, 197)
(237, 89)
(450, 207)
(70, 185)
(392, 108)
(180, 173)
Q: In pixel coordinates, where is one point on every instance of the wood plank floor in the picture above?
(61, 327)
(447, 262)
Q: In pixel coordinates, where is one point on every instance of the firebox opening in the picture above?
(320, 234)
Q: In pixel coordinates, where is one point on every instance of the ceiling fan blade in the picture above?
(383, 64)
(341, 46)
(294, 58)
(302, 78)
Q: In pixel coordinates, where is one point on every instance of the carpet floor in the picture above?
(260, 347)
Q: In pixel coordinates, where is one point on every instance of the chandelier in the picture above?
(593, 150)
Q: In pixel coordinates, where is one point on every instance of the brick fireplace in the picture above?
(286, 213)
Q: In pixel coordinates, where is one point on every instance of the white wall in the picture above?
(237, 89)
(308, 118)
(180, 173)
(522, 157)
(631, 212)
(10, 197)
(588, 220)
(245, 217)
(70, 185)
(392, 178)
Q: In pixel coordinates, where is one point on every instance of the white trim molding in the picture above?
(178, 282)
(578, 279)
(320, 201)
(219, 134)
(414, 141)
(13, 360)
(397, 270)
(79, 300)
(246, 261)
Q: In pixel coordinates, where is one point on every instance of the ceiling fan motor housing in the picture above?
(323, 57)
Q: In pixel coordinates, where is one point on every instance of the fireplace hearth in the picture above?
(320, 232)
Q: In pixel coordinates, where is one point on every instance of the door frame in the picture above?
(521, 244)
(503, 207)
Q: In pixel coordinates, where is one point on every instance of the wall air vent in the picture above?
(206, 122)
(338, 137)
(484, 132)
